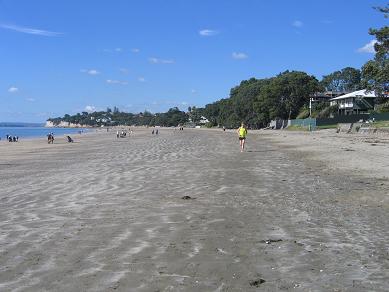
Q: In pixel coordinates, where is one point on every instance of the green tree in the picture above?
(211, 112)
(195, 114)
(284, 95)
(347, 79)
(332, 82)
(376, 72)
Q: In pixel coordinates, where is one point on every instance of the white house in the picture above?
(203, 120)
(356, 102)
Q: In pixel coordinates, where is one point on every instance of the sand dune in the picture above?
(107, 214)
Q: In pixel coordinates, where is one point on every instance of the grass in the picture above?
(327, 127)
(380, 124)
(297, 128)
(302, 128)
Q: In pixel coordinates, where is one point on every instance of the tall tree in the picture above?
(285, 94)
(376, 72)
(347, 79)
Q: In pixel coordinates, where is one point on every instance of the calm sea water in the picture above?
(36, 132)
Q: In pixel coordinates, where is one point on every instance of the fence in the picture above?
(303, 123)
(313, 122)
(380, 117)
(342, 119)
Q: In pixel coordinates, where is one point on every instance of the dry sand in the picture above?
(352, 153)
(107, 214)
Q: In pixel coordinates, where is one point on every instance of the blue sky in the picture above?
(60, 57)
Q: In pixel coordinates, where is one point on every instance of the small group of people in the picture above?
(50, 138)
(121, 134)
(12, 138)
(156, 132)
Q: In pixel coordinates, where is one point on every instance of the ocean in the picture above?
(36, 132)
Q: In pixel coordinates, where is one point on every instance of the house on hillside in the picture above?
(357, 102)
(203, 120)
(326, 95)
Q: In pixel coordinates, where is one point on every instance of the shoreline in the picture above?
(40, 136)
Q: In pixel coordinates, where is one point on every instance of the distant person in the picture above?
(70, 140)
(9, 139)
(50, 138)
(7, 136)
(224, 129)
(156, 132)
(152, 132)
(117, 134)
(14, 139)
(242, 132)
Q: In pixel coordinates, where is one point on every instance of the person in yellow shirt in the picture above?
(242, 132)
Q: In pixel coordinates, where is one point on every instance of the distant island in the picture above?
(115, 117)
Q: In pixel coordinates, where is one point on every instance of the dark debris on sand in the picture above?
(257, 283)
(270, 241)
(187, 198)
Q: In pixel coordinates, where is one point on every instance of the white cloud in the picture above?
(90, 108)
(123, 70)
(297, 23)
(193, 91)
(239, 56)
(160, 61)
(118, 50)
(93, 72)
(13, 89)
(208, 32)
(135, 50)
(184, 103)
(90, 71)
(141, 79)
(110, 81)
(30, 99)
(368, 48)
(29, 30)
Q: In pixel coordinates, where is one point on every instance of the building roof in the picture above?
(359, 93)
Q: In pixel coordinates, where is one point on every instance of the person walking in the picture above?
(242, 132)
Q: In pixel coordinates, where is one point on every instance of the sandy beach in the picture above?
(186, 211)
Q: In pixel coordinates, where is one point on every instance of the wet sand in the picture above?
(107, 214)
